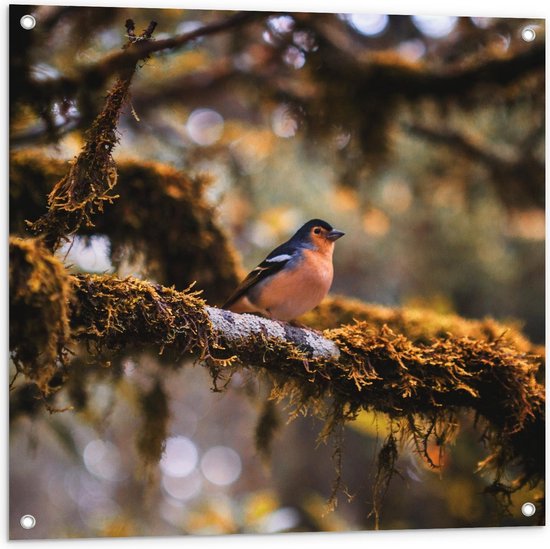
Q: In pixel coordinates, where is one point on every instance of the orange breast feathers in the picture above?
(296, 290)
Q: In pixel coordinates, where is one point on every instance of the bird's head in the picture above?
(318, 233)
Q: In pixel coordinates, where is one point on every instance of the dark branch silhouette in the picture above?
(518, 179)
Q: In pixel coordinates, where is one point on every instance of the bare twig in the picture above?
(112, 63)
(130, 29)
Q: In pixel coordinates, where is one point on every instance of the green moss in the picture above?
(115, 314)
(40, 291)
(419, 325)
(91, 178)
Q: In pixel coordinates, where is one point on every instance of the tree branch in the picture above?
(357, 366)
(113, 62)
(236, 329)
(396, 76)
(457, 141)
(519, 180)
(99, 72)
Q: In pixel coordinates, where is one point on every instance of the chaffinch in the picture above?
(293, 279)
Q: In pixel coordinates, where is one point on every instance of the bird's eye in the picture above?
(317, 230)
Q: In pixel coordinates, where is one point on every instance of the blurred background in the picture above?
(420, 137)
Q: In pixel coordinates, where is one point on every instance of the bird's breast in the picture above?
(298, 288)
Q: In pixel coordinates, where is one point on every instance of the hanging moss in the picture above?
(433, 380)
(90, 181)
(422, 384)
(268, 424)
(91, 178)
(155, 414)
(157, 204)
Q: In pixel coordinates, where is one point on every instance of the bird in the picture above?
(293, 279)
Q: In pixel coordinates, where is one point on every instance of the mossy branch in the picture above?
(92, 177)
(361, 365)
(420, 325)
(40, 293)
(196, 247)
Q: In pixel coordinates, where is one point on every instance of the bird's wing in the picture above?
(272, 264)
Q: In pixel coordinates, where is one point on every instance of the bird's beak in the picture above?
(335, 235)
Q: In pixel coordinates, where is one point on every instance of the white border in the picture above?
(502, 538)
(503, 8)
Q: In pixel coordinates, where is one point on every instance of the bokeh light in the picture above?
(281, 24)
(305, 40)
(482, 22)
(221, 465)
(188, 26)
(376, 223)
(369, 25)
(43, 71)
(396, 196)
(109, 39)
(205, 126)
(102, 459)
(412, 50)
(283, 122)
(88, 254)
(281, 520)
(294, 57)
(180, 457)
(182, 488)
(435, 26)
